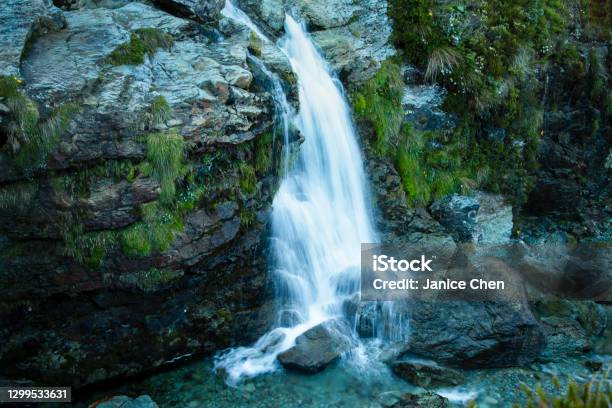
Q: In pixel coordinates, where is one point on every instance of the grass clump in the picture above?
(88, 248)
(431, 166)
(593, 394)
(154, 233)
(248, 181)
(18, 195)
(380, 102)
(159, 112)
(144, 41)
(264, 152)
(29, 138)
(150, 280)
(165, 155)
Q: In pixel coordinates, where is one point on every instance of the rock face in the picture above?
(316, 348)
(458, 214)
(22, 22)
(354, 35)
(426, 374)
(142, 221)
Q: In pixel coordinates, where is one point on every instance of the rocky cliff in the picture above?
(138, 166)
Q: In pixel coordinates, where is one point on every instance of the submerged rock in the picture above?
(123, 401)
(423, 400)
(426, 373)
(317, 347)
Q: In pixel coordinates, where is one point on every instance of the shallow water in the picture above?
(341, 385)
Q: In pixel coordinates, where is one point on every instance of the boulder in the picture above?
(476, 333)
(423, 400)
(426, 373)
(316, 348)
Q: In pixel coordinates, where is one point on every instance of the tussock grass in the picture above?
(144, 41)
(165, 154)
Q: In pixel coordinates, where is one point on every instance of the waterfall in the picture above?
(320, 214)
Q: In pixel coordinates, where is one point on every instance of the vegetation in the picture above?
(264, 153)
(489, 55)
(380, 102)
(15, 196)
(165, 154)
(150, 280)
(593, 394)
(88, 248)
(28, 138)
(248, 181)
(159, 113)
(144, 41)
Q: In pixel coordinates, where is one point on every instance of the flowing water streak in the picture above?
(320, 213)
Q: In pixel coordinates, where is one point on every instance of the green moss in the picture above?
(486, 55)
(255, 44)
(144, 41)
(154, 233)
(380, 102)
(165, 155)
(248, 181)
(29, 138)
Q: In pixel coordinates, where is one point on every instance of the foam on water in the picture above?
(320, 214)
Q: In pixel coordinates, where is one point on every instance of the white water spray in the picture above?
(320, 214)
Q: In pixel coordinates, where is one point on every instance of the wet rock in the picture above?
(22, 22)
(122, 401)
(203, 11)
(389, 398)
(493, 220)
(316, 348)
(426, 373)
(476, 333)
(423, 400)
(564, 337)
(458, 214)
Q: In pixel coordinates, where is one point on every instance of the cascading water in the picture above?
(320, 214)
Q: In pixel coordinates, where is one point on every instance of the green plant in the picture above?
(143, 41)
(154, 233)
(18, 195)
(150, 280)
(29, 139)
(165, 155)
(380, 102)
(248, 181)
(264, 153)
(88, 248)
(596, 393)
(159, 112)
